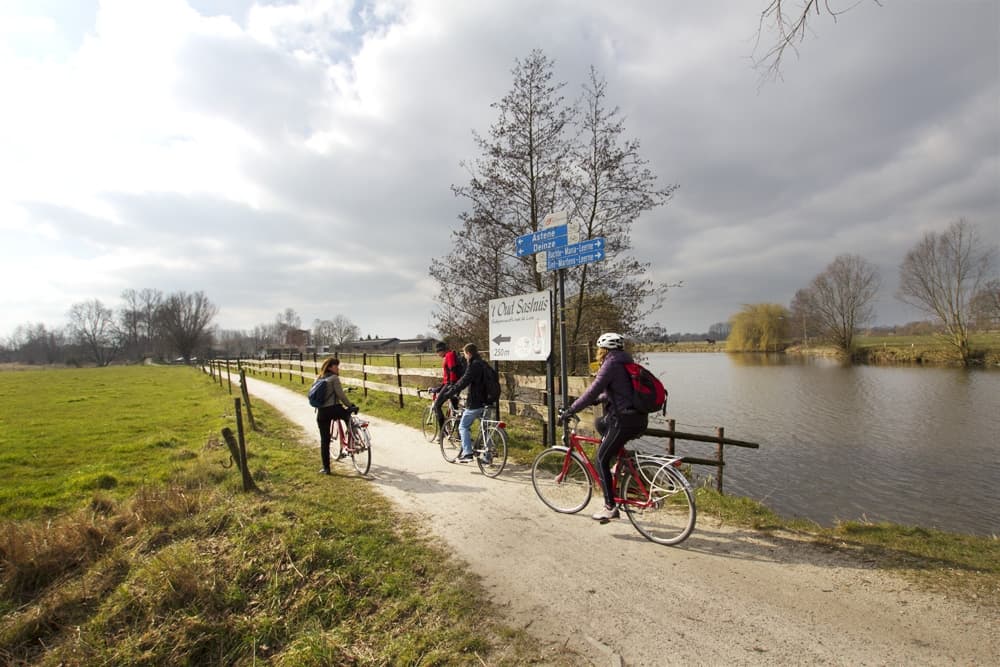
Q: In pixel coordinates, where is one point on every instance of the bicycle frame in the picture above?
(355, 441)
(624, 464)
(340, 432)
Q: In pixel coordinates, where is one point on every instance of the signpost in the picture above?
(519, 327)
(544, 239)
(584, 252)
(556, 246)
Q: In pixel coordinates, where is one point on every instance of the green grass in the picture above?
(962, 565)
(133, 544)
(66, 433)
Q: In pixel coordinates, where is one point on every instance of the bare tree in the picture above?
(791, 27)
(137, 320)
(803, 319)
(985, 306)
(343, 331)
(235, 343)
(720, 330)
(941, 275)
(842, 298)
(512, 186)
(34, 344)
(93, 326)
(531, 166)
(186, 319)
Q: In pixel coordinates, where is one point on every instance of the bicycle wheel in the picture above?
(561, 480)
(667, 514)
(493, 456)
(430, 424)
(361, 452)
(451, 445)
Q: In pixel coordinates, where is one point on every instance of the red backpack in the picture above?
(648, 393)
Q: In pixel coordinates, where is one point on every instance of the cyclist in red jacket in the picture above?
(452, 368)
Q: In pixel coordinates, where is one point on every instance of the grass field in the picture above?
(125, 540)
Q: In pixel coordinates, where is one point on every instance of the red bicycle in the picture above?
(355, 441)
(656, 496)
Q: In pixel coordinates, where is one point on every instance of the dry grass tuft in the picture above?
(34, 555)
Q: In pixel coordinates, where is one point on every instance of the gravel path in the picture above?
(724, 597)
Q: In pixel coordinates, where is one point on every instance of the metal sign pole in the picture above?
(563, 370)
(550, 385)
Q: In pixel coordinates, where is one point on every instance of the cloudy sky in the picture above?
(279, 154)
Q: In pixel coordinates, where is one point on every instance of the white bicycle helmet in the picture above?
(611, 341)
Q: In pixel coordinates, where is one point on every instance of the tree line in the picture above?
(950, 276)
(149, 324)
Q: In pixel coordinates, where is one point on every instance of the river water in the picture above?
(910, 445)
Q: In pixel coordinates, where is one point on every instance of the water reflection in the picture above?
(911, 445)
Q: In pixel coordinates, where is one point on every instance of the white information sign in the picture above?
(519, 327)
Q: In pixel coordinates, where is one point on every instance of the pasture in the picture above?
(125, 540)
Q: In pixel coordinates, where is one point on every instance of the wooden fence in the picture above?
(522, 395)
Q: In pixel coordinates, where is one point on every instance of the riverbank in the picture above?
(915, 350)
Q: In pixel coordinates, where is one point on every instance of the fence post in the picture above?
(302, 370)
(399, 380)
(671, 423)
(248, 484)
(234, 449)
(229, 377)
(721, 433)
(246, 399)
(364, 374)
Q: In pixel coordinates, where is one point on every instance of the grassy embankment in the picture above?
(927, 349)
(124, 540)
(963, 565)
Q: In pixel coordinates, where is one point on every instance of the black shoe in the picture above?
(465, 458)
(324, 471)
(342, 455)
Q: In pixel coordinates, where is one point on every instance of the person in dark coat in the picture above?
(475, 402)
(620, 422)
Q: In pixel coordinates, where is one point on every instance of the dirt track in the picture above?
(725, 596)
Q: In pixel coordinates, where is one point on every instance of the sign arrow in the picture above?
(501, 339)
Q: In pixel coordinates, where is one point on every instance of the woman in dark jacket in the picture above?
(620, 422)
(475, 402)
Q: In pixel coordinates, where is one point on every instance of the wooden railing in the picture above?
(522, 395)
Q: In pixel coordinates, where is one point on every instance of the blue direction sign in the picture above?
(584, 252)
(544, 239)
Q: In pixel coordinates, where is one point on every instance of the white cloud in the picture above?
(299, 154)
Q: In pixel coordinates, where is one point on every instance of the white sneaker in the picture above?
(606, 514)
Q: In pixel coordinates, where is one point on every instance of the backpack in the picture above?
(648, 393)
(317, 393)
(491, 383)
(460, 365)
